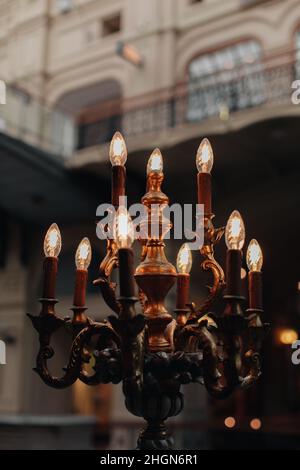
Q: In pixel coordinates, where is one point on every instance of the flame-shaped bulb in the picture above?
(155, 162)
(83, 254)
(52, 241)
(184, 259)
(235, 232)
(118, 150)
(205, 157)
(254, 256)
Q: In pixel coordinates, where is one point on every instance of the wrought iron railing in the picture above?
(252, 85)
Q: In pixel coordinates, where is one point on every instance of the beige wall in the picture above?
(68, 50)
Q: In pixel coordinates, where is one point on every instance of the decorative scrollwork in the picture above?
(257, 332)
(73, 368)
(46, 325)
(211, 237)
(209, 335)
(210, 264)
(108, 288)
(254, 360)
(108, 367)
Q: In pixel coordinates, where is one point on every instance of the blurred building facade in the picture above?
(68, 88)
(165, 74)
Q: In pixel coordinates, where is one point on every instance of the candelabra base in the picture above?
(152, 380)
(160, 398)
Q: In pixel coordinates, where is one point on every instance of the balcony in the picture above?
(233, 98)
(229, 100)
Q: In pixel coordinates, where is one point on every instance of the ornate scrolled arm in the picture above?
(120, 349)
(108, 288)
(208, 335)
(211, 237)
(202, 337)
(119, 353)
(210, 264)
(254, 360)
(46, 324)
(256, 334)
(46, 352)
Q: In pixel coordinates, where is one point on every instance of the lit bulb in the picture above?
(255, 424)
(123, 229)
(118, 150)
(205, 157)
(83, 254)
(254, 256)
(52, 241)
(288, 336)
(184, 259)
(230, 422)
(155, 162)
(235, 232)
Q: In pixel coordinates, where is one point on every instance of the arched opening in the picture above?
(226, 80)
(96, 111)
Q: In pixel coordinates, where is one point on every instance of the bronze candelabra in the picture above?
(152, 353)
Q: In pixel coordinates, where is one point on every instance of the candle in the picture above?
(235, 238)
(184, 265)
(254, 260)
(118, 157)
(124, 237)
(82, 260)
(204, 161)
(52, 247)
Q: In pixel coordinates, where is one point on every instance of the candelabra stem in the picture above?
(155, 436)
